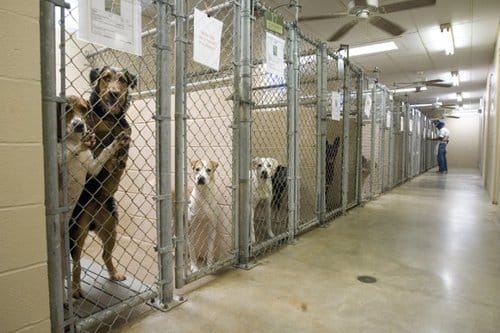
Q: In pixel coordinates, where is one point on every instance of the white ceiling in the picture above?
(474, 24)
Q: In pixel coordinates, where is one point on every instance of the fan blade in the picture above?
(405, 5)
(322, 17)
(449, 106)
(386, 25)
(452, 116)
(442, 85)
(342, 31)
(432, 81)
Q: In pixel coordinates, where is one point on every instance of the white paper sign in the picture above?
(336, 105)
(411, 125)
(207, 39)
(111, 23)
(402, 128)
(368, 105)
(275, 50)
(388, 120)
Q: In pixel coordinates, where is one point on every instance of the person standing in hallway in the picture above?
(443, 138)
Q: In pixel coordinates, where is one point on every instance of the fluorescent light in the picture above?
(447, 33)
(459, 97)
(411, 89)
(455, 79)
(374, 48)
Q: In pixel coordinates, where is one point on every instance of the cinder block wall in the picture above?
(23, 260)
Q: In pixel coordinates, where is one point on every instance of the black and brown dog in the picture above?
(96, 209)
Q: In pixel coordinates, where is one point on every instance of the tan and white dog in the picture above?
(203, 214)
(74, 153)
(263, 168)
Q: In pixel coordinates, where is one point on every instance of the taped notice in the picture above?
(336, 100)
(111, 23)
(368, 105)
(207, 40)
(275, 49)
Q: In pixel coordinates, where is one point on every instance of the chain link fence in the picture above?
(334, 147)
(269, 143)
(208, 146)
(164, 190)
(307, 129)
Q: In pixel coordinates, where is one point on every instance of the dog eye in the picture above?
(197, 169)
(209, 170)
(269, 165)
(260, 165)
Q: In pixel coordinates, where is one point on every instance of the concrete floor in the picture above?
(433, 244)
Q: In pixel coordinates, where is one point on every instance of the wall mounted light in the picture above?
(447, 33)
(459, 97)
(455, 79)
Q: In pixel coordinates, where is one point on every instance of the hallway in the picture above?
(433, 244)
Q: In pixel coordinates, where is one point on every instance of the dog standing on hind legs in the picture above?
(263, 168)
(96, 208)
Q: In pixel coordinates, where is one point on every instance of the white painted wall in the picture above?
(463, 149)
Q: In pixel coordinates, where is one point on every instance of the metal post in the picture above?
(321, 130)
(405, 133)
(180, 139)
(373, 137)
(163, 143)
(345, 151)
(392, 128)
(245, 111)
(236, 118)
(383, 120)
(49, 117)
(359, 146)
(292, 76)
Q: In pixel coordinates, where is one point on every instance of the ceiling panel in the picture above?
(421, 53)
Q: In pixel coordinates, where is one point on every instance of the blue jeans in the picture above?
(441, 157)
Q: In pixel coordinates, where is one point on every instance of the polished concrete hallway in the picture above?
(433, 244)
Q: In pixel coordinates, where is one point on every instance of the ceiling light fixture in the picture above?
(411, 89)
(449, 45)
(455, 79)
(459, 97)
(374, 48)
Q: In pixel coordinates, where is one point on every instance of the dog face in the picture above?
(76, 109)
(112, 88)
(264, 167)
(203, 171)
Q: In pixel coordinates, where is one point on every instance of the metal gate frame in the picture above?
(159, 295)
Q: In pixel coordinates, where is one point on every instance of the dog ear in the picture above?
(274, 165)
(255, 162)
(193, 163)
(131, 79)
(214, 165)
(95, 73)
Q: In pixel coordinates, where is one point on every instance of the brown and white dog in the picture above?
(96, 208)
(74, 151)
(203, 214)
(263, 169)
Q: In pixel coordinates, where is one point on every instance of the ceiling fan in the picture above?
(365, 10)
(436, 105)
(418, 85)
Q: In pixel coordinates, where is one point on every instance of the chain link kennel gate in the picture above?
(124, 201)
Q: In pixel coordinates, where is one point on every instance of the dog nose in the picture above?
(80, 127)
(264, 174)
(114, 95)
(201, 181)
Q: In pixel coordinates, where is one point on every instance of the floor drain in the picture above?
(366, 279)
